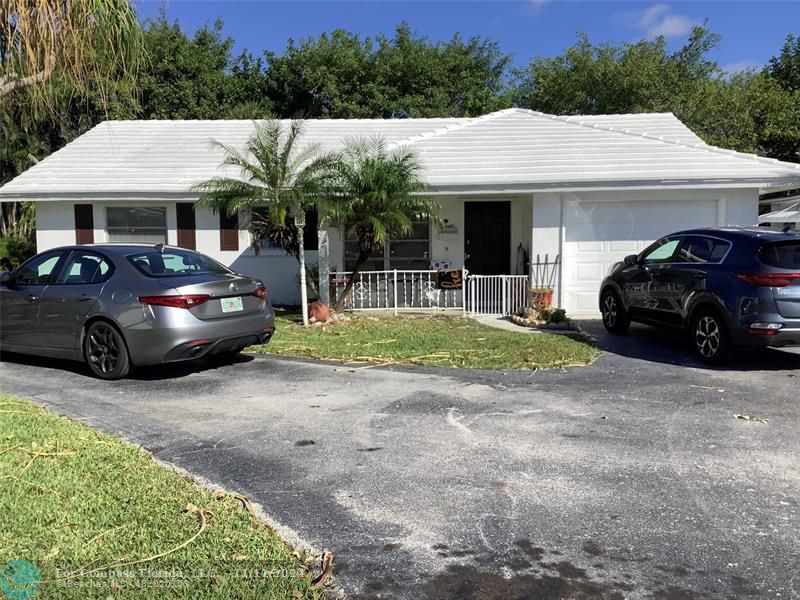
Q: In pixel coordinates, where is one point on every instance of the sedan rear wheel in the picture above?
(105, 352)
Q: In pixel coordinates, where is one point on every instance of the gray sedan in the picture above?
(115, 306)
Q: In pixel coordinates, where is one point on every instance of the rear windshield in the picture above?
(175, 263)
(783, 255)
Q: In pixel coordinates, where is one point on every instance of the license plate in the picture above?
(231, 304)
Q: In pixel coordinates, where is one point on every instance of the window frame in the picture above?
(703, 236)
(110, 230)
(132, 256)
(658, 244)
(103, 258)
(57, 268)
(387, 257)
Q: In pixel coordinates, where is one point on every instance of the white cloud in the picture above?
(660, 20)
(741, 66)
(652, 14)
(537, 5)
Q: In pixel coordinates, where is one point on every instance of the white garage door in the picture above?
(599, 234)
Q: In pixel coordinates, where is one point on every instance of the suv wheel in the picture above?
(105, 352)
(710, 339)
(615, 317)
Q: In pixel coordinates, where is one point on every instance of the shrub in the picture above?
(14, 251)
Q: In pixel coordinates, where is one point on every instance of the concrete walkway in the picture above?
(504, 323)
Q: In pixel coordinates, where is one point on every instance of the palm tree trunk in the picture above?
(301, 258)
(363, 257)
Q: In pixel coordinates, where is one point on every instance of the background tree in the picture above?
(379, 192)
(280, 177)
(197, 77)
(46, 44)
(750, 112)
(342, 75)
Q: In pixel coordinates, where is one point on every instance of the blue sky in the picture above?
(752, 31)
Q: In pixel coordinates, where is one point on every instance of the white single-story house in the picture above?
(514, 183)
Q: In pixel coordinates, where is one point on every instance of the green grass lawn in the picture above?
(74, 499)
(442, 341)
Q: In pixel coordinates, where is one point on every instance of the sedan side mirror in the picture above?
(631, 260)
(5, 278)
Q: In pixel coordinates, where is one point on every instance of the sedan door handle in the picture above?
(31, 298)
(85, 298)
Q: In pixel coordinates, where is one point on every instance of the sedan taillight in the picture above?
(769, 279)
(260, 292)
(179, 301)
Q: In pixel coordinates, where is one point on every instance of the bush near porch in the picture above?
(433, 340)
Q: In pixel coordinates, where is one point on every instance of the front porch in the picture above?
(484, 246)
(430, 290)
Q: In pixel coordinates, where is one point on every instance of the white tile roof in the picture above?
(508, 149)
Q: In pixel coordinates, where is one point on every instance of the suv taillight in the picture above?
(769, 279)
(179, 301)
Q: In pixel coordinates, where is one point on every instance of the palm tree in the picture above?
(379, 197)
(279, 179)
(44, 44)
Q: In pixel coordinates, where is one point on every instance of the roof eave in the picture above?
(436, 190)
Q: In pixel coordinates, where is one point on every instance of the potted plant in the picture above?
(541, 297)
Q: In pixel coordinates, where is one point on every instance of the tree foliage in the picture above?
(749, 111)
(46, 46)
(279, 177)
(379, 193)
(197, 77)
(342, 75)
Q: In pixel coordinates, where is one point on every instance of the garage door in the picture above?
(600, 234)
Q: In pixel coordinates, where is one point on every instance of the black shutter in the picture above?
(84, 224)
(184, 212)
(228, 231)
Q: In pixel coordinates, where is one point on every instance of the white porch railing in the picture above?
(398, 290)
(502, 295)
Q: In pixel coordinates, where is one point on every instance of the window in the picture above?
(409, 253)
(175, 263)
(140, 224)
(40, 270)
(697, 249)
(310, 230)
(84, 267)
(781, 255)
(661, 252)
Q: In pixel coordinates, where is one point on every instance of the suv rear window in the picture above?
(782, 255)
(175, 263)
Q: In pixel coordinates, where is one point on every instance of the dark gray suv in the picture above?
(724, 286)
(120, 305)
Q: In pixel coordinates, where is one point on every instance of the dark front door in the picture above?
(487, 238)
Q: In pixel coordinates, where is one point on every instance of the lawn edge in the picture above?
(288, 536)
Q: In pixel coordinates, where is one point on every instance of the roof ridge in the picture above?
(626, 131)
(111, 122)
(448, 128)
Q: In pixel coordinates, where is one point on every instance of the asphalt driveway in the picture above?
(629, 478)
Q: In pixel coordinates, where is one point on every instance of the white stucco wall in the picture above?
(544, 223)
(56, 227)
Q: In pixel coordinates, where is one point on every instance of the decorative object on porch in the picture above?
(543, 278)
(449, 279)
(318, 312)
